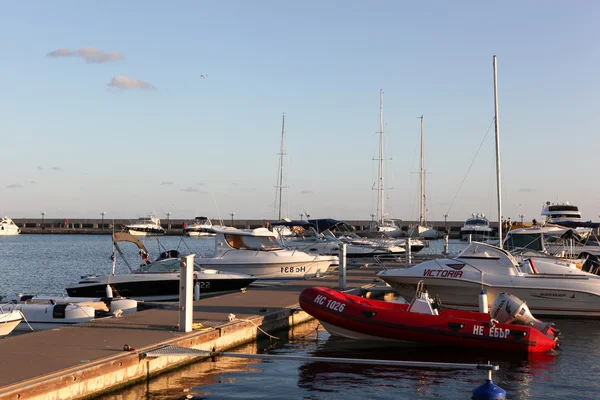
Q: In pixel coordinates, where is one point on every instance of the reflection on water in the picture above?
(569, 373)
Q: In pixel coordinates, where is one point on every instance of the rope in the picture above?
(470, 166)
(233, 318)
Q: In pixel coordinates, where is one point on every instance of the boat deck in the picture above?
(45, 363)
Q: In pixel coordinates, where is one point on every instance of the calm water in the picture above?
(48, 263)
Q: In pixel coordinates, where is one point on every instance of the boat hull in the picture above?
(154, 288)
(542, 300)
(359, 318)
(274, 269)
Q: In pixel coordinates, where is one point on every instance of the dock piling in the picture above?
(186, 287)
(342, 267)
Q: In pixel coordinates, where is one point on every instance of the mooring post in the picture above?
(342, 267)
(186, 292)
(470, 238)
(446, 244)
(408, 252)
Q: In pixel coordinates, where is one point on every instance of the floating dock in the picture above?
(104, 355)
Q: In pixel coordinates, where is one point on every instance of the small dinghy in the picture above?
(508, 327)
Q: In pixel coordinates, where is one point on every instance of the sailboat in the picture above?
(422, 230)
(385, 226)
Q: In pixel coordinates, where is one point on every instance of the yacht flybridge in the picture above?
(555, 213)
(477, 227)
(8, 227)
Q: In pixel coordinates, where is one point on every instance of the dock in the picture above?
(104, 355)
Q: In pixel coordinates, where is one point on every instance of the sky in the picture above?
(140, 107)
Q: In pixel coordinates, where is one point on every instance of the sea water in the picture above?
(46, 264)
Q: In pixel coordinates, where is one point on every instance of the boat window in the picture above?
(171, 265)
(244, 242)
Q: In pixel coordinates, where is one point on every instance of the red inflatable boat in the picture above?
(508, 327)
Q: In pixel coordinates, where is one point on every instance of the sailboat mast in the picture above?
(498, 177)
(380, 188)
(422, 173)
(281, 154)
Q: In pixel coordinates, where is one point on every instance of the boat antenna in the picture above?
(217, 207)
(498, 177)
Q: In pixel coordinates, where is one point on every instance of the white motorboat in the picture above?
(8, 227)
(9, 320)
(477, 227)
(422, 229)
(302, 235)
(257, 252)
(548, 286)
(149, 226)
(157, 280)
(200, 227)
(363, 250)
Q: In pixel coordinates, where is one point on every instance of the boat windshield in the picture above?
(246, 242)
(476, 222)
(168, 265)
(532, 241)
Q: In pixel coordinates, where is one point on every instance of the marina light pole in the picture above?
(232, 214)
(301, 216)
(522, 216)
(103, 214)
(43, 214)
(169, 220)
(446, 221)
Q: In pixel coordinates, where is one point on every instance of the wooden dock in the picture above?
(86, 360)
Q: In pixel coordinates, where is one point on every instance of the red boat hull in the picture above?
(391, 321)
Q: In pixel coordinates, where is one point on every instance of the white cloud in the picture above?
(307, 192)
(191, 189)
(14, 186)
(123, 82)
(56, 169)
(168, 183)
(91, 55)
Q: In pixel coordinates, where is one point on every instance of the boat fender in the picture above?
(483, 302)
(488, 391)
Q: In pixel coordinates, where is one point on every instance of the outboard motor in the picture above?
(509, 309)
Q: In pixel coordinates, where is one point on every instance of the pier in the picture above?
(104, 355)
(92, 226)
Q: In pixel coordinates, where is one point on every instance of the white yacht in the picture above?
(149, 226)
(8, 227)
(555, 213)
(477, 227)
(549, 287)
(257, 252)
(200, 227)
